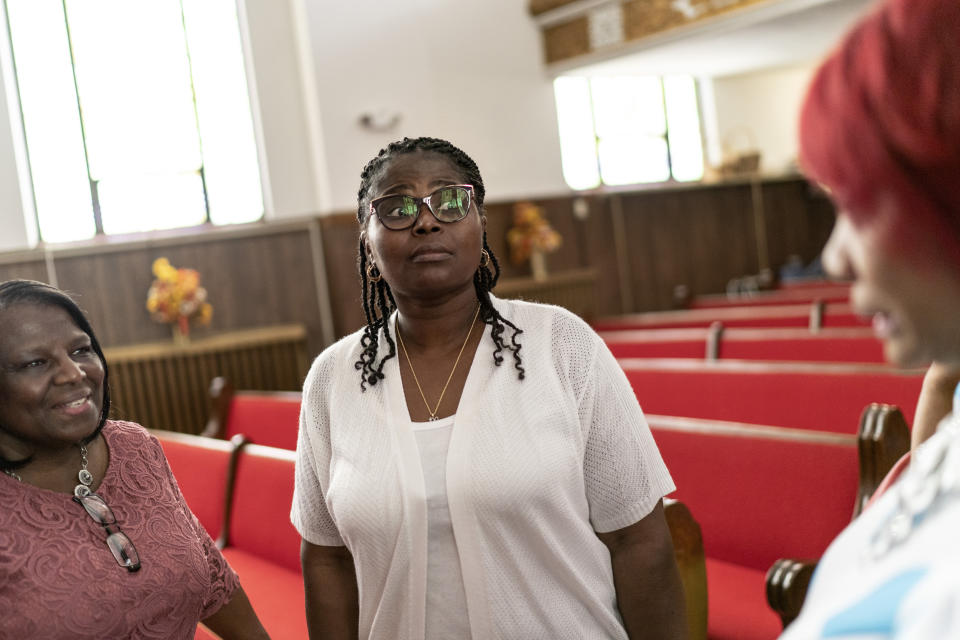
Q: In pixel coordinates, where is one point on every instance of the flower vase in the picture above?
(181, 332)
(538, 265)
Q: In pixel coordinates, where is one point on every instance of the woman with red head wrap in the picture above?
(880, 130)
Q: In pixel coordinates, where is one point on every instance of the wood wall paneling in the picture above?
(165, 386)
(799, 220)
(341, 237)
(567, 39)
(252, 281)
(499, 221)
(24, 270)
(594, 237)
(695, 237)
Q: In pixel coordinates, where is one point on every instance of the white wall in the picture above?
(18, 229)
(762, 107)
(291, 170)
(469, 72)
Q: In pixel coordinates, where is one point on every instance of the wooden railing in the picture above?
(164, 386)
(572, 289)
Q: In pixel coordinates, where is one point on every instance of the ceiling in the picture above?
(785, 33)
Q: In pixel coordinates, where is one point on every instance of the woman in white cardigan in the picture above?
(470, 467)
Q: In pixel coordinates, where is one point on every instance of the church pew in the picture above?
(242, 494)
(269, 418)
(203, 468)
(847, 344)
(263, 547)
(691, 562)
(810, 283)
(815, 315)
(802, 295)
(884, 440)
(759, 491)
(799, 395)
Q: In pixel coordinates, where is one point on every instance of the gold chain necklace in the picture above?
(433, 412)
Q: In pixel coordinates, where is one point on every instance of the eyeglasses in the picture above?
(447, 204)
(117, 541)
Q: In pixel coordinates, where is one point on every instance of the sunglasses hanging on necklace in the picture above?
(119, 544)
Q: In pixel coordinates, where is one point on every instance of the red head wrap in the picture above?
(882, 120)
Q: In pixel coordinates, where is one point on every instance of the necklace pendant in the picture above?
(432, 419)
(85, 477)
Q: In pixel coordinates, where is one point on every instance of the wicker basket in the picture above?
(741, 157)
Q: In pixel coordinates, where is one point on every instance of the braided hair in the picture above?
(378, 301)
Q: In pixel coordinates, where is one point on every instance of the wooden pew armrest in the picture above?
(882, 439)
(787, 582)
(219, 397)
(688, 551)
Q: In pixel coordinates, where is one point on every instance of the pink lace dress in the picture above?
(58, 579)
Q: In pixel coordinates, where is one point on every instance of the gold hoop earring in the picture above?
(484, 258)
(373, 273)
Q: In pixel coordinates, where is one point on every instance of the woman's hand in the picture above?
(236, 620)
(330, 585)
(649, 593)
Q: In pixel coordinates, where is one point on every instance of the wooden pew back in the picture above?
(799, 395)
(815, 316)
(846, 344)
(760, 492)
(792, 295)
(260, 516)
(268, 418)
(203, 468)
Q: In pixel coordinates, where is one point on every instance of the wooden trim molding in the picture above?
(753, 431)
(539, 7)
(581, 29)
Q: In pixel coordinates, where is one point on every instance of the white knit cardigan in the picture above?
(534, 469)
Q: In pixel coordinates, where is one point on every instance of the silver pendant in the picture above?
(432, 419)
(85, 477)
(81, 491)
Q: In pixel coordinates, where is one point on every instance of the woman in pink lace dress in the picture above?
(95, 539)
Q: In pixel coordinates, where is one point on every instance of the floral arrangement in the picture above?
(176, 297)
(531, 233)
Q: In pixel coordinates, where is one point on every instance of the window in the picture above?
(628, 130)
(136, 114)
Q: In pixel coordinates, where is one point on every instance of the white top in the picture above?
(446, 615)
(535, 468)
(870, 586)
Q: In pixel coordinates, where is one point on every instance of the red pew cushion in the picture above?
(260, 519)
(653, 343)
(761, 498)
(268, 419)
(200, 467)
(797, 395)
(275, 592)
(737, 604)
(814, 348)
